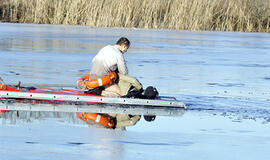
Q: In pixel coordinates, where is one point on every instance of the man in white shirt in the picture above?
(110, 59)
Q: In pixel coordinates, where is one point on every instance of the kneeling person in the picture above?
(110, 59)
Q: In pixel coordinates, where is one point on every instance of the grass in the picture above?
(219, 15)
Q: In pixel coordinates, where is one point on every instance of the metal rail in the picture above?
(92, 99)
(92, 108)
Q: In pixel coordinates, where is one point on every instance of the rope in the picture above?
(1, 81)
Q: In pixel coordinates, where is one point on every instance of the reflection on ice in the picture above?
(21, 117)
(98, 120)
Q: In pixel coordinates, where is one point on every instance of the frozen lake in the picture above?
(223, 77)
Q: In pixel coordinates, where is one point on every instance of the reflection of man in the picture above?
(125, 120)
(113, 121)
(119, 121)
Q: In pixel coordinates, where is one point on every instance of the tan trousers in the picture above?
(126, 81)
(123, 86)
(111, 91)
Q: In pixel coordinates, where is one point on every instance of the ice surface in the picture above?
(223, 77)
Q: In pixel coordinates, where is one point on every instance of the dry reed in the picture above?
(220, 15)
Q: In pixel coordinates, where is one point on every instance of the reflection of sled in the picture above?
(68, 100)
(3, 111)
(98, 118)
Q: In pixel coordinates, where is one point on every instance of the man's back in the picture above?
(108, 59)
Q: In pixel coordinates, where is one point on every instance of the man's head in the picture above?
(123, 44)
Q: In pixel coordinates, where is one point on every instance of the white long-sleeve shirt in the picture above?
(108, 60)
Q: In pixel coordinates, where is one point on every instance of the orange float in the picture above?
(86, 83)
(98, 118)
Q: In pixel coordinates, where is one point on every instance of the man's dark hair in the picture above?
(123, 40)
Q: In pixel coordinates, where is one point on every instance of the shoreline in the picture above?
(131, 28)
(194, 15)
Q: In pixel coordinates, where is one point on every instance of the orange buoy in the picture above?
(98, 118)
(86, 83)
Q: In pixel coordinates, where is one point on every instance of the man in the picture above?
(110, 59)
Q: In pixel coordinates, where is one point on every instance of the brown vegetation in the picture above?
(221, 15)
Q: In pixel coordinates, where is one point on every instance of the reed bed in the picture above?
(219, 15)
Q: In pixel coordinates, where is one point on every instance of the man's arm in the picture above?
(121, 65)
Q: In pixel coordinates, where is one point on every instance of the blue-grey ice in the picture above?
(223, 77)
